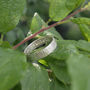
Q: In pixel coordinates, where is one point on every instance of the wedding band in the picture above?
(41, 48)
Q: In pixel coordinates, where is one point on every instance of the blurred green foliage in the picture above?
(30, 23)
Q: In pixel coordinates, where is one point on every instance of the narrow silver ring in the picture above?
(41, 48)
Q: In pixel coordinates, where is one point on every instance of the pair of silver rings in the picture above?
(41, 48)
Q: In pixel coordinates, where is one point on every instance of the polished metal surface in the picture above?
(41, 48)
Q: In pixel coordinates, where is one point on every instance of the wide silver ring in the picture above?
(41, 48)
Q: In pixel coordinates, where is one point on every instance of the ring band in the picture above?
(41, 48)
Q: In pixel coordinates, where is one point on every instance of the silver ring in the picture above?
(41, 48)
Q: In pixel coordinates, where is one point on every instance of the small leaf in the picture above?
(38, 23)
(36, 78)
(12, 68)
(59, 9)
(79, 70)
(43, 62)
(81, 20)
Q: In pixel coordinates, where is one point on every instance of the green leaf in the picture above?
(59, 9)
(81, 20)
(67, 47)
(82, 23)
(43, 62)
(10, 13)
(38, 23)
(60, 70)
(83, 45)
(79, 70)
(63, 50)
(73, 4)
(12, 68)
(5, 44)
(36, 78)
(56, 85)
(85, 31)
(84, 53)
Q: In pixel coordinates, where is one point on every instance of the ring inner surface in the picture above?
(41, 44)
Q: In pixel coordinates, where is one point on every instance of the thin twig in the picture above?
(46, 28)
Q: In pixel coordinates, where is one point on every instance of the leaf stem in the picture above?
(46, 28)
